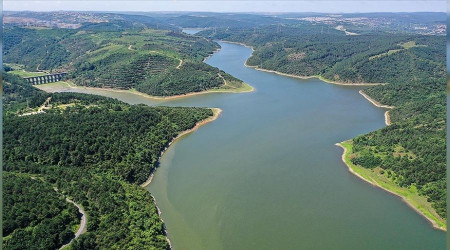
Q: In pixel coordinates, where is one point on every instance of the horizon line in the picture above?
(242, 12)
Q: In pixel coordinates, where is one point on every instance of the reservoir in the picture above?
(267, 175)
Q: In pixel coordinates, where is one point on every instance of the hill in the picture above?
(96, 151)
(120, 54)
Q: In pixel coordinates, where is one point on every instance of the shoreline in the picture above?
(370, 99)
(214, 52)
(159, 98)
(242, 44)
(164, 224)
(387, 117)
(374, 183)
(216, 114)
(297, 76)
(314, 76)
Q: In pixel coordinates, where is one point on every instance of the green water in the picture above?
(267, 175)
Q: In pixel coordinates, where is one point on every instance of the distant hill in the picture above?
(122, 52)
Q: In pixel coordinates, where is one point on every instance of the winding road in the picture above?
(83, 228)
(181, 63)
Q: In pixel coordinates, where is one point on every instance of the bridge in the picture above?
(36, 80)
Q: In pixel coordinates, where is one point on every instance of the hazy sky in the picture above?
(230, 6)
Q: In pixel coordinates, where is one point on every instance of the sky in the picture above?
(325, 6)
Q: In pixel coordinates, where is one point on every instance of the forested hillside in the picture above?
(34, 215)
(412, 67)
(413, 149)
(372, 58)
(19, 96)
(119, 54)
(94, 150)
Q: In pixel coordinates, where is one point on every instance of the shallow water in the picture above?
(267, 175)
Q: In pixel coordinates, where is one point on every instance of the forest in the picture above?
(348, 59)
(95, 150)
(179, 81)
(35, 216)
(414, 147)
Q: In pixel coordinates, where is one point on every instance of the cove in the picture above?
(267, 175)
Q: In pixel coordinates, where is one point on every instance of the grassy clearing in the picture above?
(14, 66)
(106, 51)
(411, 44)
(57, 86)
(233, 87)
(65, 106)
(379, 177)
(405, 46)
(390, 52)
(49, 87)
(23, 73)
(18, 69)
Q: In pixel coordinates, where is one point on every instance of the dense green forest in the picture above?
(57, 138)
(412, 150)
(372, 58)
(95, 150)
(34, 215)
(133, 56)
(179, 81)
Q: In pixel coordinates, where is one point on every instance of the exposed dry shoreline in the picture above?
(374, 102)
(164, 224)
(387, 118)
(374, 183)
(161, 98)
(314, 76)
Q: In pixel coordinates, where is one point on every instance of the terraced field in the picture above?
(142, 59)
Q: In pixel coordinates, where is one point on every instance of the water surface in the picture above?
(267, 175)
(192, 31)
